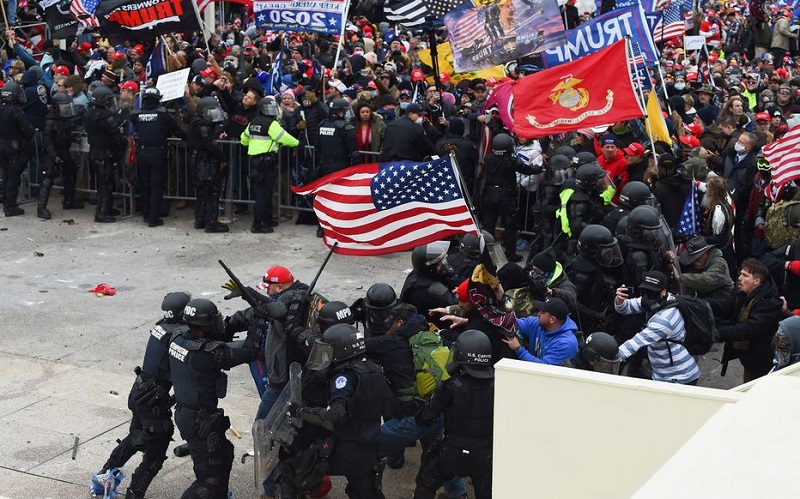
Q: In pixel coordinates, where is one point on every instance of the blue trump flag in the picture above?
(602, 32)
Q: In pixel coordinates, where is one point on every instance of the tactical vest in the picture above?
(470, 416)
(197, 381)
(156, 355)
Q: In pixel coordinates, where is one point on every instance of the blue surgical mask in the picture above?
(680, 86)
(404, 105)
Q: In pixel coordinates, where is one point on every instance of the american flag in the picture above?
(467, 28)
(671, 24)
(784, 157)
(83, 11)
(380, 208)
(413, 12)
(690, 222)
(202, 4)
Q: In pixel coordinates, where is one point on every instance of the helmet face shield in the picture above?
(214, 115)
(653, 238)
(497, 255)
(321, 357)
(378, 320)
(609, 255)
(436, 252)
(67, 110)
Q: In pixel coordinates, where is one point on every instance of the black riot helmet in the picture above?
(62, 104)
(636, 193)
(589, 176)
(502, 144)
(334, 312)
(584, 158)
(558, 170)
(602, 353)
(470, 245)
(567, 151)
(427, 258)
(597, 242)
(173, 305)
(151, 96)
(268, 107)
(210, 111)
(102, 96)
(200, 312)
(622, 227)
(644, 226)
(379, 302)
(12, 93)
(472, 353)
(339, 106)
(338, 343)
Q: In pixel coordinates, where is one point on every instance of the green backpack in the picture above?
(781, 226)
(430, 361)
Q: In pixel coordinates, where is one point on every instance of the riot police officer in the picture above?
(500, 193)
(57, 138)
(467, 257)
(151, 427)
(105, 145)
(584, 205)
(428, 285)
(206, 157)
(596, 274)
(262, 137)
(467, 401)
(558, 170)
(374, 310)
(633, 194)
(196, 359)
(152, 126)
(336, 144)
(358, 398)
(601, 353)
(15, 134)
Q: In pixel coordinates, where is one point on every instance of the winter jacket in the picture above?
(713, 281)
(554, 348)
(671, 193)
(405, 140)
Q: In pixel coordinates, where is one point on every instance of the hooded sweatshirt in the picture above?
(553, 348)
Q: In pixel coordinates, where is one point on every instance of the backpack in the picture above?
(698, 319)
(430, 360)
(778, 231)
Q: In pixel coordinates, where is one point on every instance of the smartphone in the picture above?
(631, 291)
(364, 72)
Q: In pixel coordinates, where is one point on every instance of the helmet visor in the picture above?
(321, 356)
(497, 255)
(557, 176)
(436, 252)
(214, 115)
(378, 320)
(604, 182)
(654, 238)
(67, 110)
(610, 256)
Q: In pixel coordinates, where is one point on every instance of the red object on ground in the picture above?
(103, 289)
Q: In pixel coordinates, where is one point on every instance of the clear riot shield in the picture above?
(275, 431)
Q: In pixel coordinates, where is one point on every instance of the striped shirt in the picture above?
(666, 323)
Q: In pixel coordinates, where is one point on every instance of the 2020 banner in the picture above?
(300, 15)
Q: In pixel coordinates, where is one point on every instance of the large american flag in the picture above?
(468, 28)
(413, 12)
(83, 11)
(784, 157)
(380, 208)
(690, 222)
(672, 24)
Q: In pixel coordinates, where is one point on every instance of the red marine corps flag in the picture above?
(593, 90)
(122, 20)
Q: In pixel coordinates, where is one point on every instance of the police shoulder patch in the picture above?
(340, 382)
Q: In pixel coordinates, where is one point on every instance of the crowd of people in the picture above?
(600, 212)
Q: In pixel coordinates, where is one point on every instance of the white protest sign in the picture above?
(172, 85)
(694, 42)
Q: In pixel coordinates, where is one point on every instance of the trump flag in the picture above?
(594, 90)
(380, 208)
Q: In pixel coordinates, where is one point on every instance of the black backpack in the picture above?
(698, 318)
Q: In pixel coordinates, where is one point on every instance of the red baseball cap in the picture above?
(763, 116)
(417, 75)
(635, 149)
(61, 70)
(117, 56)
(208, 73)
(444, 77)
(278, 275)
(129, 85)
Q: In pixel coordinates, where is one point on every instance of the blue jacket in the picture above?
(547, 348)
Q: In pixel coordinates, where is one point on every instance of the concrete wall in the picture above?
(792, 371)
(569, 433)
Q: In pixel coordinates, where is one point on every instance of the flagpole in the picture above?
(341, 38)
(464, 191)
(629, 53)
(663, 85)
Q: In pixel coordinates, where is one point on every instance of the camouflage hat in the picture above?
(706, 89)
(17, 64)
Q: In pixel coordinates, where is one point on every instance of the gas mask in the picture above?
(651, 300)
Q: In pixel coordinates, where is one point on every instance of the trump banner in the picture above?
(301, 15)
(501, 31)
(122, 20)
(601, 32)
(59, 18)
(595, 90)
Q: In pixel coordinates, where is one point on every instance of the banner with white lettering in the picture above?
(501, 31)
(142, 20)
(172, 85)
(602, 32)
(301, 15)
(61, 21)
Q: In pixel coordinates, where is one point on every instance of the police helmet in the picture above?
(427, 257)
(558, 170)
(635, 194)
(470, 245)
(380, 296)
(622, 227)
(602, 352)
(102, 96)
(151, 94)
(472, 352)
(62, 104)
(209, 110)
(584, 158)
(174, 304)
(597, 242)
(267, 106)
(334, 312)
(339, 104)
(347, 342)
(12, 92)
(200, 312)
(588, 175)
(502, 144)
(567, 151)
(559, 161)
(641, 219)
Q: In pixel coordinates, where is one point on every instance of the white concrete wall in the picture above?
(792, 371)
(564, 433)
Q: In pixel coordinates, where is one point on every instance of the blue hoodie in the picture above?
(548, 348)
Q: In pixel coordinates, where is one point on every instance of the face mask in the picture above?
(739, 148)
(404, 105)
(373, 93)
(680, 86)
(418, 121)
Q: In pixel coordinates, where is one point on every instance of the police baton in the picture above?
(321, 268)
(252, 301)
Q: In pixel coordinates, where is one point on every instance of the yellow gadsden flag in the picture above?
(656, 126)
(445, 57)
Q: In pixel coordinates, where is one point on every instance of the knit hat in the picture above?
(403, 311)
(545, 260)
(310, 96)
(461, 291)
